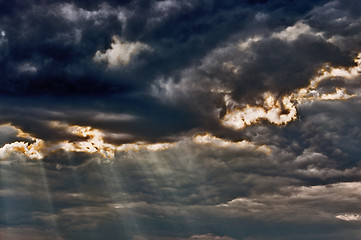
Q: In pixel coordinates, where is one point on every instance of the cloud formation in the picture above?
(120, 52)
(166, 119)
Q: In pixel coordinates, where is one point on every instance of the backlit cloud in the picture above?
(121, 52)
(284, 110)
(93, 143)
(179, 120)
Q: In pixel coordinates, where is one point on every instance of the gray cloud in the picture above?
(178, 69)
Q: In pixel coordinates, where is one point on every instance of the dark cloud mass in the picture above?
(180, 120)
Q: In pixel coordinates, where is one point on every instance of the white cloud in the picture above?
(261, 16)
(163, 9)
(30, 150)
(213, 141)
(27, 68)
(166, 5)
(293, 32)
(340, 94)
(3, 44)
(244, 203)
(72, 13)
(349, 217)
(244, 45)
(272, 111)
(121, 52)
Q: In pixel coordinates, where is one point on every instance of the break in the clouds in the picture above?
(163, 119)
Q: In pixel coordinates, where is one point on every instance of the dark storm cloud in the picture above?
(320, 148)
(115, 114)
(295, 181)
(48, 49)
(339, 22)
(261, 59)
(342, 133)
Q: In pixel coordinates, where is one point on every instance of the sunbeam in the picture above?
(180, 120)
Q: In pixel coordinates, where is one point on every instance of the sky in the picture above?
(180, 120)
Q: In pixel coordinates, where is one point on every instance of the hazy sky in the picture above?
(180, 119)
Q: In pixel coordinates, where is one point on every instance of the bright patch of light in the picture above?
(275, 111)
(349, 217)
(283, 110)
(121, 52)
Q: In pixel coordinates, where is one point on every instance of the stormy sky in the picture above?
(180, 120)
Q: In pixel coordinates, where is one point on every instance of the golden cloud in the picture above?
(283, 110)
(93, 143)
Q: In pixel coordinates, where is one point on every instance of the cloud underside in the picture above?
(180, 120)
(190, 191)
(276, 110)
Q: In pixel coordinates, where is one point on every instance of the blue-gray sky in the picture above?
(180, 120)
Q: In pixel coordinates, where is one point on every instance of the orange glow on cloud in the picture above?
(95, 144)
(276, 111)
(282, 111)
(32, 150)
(272, 111)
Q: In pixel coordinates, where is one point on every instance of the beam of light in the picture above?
(163, 177)
(280, 111)
(115, 188)
(15, 192)
(48, 198)
(166, 176)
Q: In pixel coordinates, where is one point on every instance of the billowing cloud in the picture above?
(273, 111)
(292, 33)
(180, 119)
(284, 110)
(120, 52)
(92, 142)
